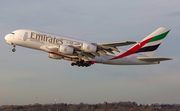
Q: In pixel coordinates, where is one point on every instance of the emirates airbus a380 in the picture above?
(83, 53)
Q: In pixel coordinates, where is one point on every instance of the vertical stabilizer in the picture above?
(152, 41)
(148, 45)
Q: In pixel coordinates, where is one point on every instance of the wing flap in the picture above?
(153, 59)
(113, 44)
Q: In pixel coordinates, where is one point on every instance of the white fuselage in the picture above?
(40, 41)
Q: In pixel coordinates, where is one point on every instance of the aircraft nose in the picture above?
(6, 37)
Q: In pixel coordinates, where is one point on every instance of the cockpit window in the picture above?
(12, 33)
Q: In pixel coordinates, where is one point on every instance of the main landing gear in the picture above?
(14, 48)
(82, 63)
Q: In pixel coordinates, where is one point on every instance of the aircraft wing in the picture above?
(102, 48)
(109, 47)
(153, 59)
(79, 54)
(49, 48)
(116, 44)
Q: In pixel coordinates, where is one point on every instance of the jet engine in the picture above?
(89, 48)
(66, 49)
(54, 56)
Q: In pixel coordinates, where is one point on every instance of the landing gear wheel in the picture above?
(13, 50)
(79, 65)
(72, 64)
(14, 46)
(82, 63)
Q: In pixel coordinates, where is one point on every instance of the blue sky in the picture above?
(27, 74)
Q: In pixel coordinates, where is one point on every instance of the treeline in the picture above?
(120, 106)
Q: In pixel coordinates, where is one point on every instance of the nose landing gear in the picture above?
(14, 46)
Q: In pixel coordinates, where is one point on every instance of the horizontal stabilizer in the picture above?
(153, 59)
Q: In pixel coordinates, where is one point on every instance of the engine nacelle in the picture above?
(54, 56)
(89, 48)
(66, 49)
